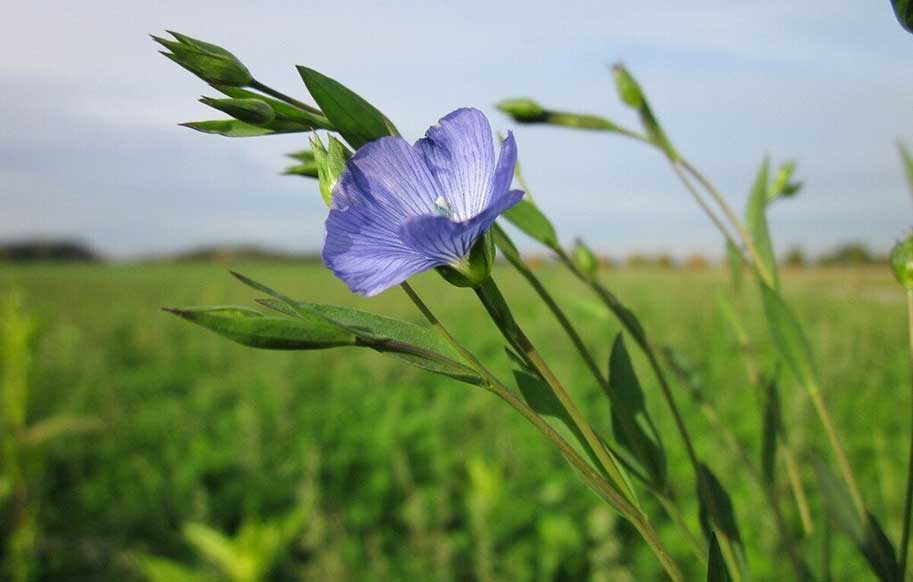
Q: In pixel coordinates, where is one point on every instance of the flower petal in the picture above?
(459, 153)
(507, 163)
(366, 254)
(445, 242)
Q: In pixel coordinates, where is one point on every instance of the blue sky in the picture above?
(89, 145)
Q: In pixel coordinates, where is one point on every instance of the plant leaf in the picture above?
(716, 565)
(528, 218)
(717, 516)
(756, 221)
(251, 328)
(354, 118)
(631, 423)
(236, 128)
(772, 424)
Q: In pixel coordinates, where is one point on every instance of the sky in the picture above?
(90, 147)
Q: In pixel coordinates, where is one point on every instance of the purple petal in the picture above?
(507, 162)
(365, 254)
(446, 242)
(459, 153)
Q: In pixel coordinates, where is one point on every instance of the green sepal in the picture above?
(330, 162)
(474, 269)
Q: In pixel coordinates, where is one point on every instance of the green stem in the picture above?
(593, 478)
(497, 308)
(255, 84)
(908, 498)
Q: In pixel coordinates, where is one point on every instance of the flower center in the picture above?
(443, 207)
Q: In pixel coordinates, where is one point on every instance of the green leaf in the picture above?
(212, 545)
(529, 219)
(418, 345)
(772, 425)
(310, 116)
(716, 565)
(236, 128)
(756, 221)
(717, 516)
(306, 169)
(354, 118)
(251, 328)
(903, 10)
(60, 425)
(869, 538)
(156, 569)
(788, 338)
(631, 423)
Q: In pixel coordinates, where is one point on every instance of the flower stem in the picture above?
(255, 84)
(593, 478)
(497, 308)
(908, 498)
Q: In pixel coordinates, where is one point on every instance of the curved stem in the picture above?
(497, 308)
(593, 478)
(908, 498)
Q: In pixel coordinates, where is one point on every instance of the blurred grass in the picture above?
(404, 475)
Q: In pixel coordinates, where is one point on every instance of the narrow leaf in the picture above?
(354, 118)
(717, 516)
(311, 116)
(631, 423)
(756, 221)
(529, 219)
(716, 565)
(251, 328)
(771, 429)
(236, 128)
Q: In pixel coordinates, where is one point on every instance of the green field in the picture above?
(380, 471)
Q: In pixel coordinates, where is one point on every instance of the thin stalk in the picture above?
(593, 478)
(255, 84)
(704, 206)
(908, 498)
(494, 303)
(671, 509)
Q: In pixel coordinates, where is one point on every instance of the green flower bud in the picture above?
(207, 61)
(330, 162)
(523, 110)
(902, 262)
(584, 258)
(475, 269)
(628, 89)
(252, 111)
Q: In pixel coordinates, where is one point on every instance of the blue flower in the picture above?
(401, 209)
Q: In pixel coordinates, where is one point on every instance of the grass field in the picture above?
(365, 469)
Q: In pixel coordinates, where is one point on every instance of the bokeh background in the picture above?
(137, 447)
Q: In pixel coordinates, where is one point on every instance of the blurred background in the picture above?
(135, 447)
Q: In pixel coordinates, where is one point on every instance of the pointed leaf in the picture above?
(354, 118)
(631, 423)
(756, 222)
(716, 565)
(251, 328)
(770, 431)
(236, 128)
(717, 515)
(528, 218)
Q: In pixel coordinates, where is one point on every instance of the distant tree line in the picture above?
(853, 253)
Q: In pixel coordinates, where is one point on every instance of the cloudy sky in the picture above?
(89, 145)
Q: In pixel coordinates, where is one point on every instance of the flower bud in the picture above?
(584, 258)
(523, 110)
(628, 89)
(330, 161)
(252, 111)
(207, 61)
(475, 268)
(902, 262)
